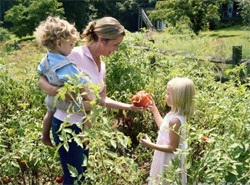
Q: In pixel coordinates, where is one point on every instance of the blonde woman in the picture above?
(171, 135)
(101, 38)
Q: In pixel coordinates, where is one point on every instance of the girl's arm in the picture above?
(174, 137)
(157, 116)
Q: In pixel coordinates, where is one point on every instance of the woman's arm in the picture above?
(174, 137)
(110, 103)
(119, 105)
(51, 90)
(46, 87)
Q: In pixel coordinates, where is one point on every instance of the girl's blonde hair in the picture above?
(183, 91)
(107, 28)
(54, 29)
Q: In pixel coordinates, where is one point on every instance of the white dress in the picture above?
(161, 159)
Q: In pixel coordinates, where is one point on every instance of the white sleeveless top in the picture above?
(160, 158)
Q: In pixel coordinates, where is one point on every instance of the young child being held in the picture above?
(59, 37)
(171, 135)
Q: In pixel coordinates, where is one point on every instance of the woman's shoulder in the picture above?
(77, 49)
(77, 53)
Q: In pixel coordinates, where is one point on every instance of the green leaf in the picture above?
(113, 143)
(73, 171)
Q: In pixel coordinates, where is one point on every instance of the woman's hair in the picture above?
(107, 28)
(183, 91)
(53, 29)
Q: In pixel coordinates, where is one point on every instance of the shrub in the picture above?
(4, 34)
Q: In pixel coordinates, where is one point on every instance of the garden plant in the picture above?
(218, 132)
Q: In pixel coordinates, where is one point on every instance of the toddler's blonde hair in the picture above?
(54, 29)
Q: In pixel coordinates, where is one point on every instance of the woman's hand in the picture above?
(135, 108)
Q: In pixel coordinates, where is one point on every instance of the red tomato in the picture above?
(205, 138)
(127, 119)
(59, 179)
(6, 180)
(141, 99)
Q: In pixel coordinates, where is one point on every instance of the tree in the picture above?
(27, 14)
(199, 15)
(244, 6)
(80, 12)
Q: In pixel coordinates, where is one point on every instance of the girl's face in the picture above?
(111, 46)
(169, 96)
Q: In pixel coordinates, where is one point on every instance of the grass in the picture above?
(217, 43)
(22, 62)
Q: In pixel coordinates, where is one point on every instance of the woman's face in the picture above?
(169, 96)
(111, 46)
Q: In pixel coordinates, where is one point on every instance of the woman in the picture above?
(101, 38)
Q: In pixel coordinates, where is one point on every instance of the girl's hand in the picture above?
(151, 106)
(146, 141)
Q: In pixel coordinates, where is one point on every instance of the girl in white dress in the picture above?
(171, 135)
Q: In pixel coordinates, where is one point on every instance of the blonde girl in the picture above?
(171, 134)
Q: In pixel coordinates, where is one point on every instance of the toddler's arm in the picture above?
(46, 87)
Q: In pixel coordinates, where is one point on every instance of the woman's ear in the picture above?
(102, 40)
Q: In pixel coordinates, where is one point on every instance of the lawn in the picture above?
(217, 43)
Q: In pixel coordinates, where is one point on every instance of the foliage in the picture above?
(218, 132)
(4, 34)
(219, 119)
(197, 14)
(244, 6)
(19, 127)
(27, 14)
(74, 12)
(125, 11)
(80, 12)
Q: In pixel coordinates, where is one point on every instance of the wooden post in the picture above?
(237, 54)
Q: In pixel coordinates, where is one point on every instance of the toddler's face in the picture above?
(66, 46)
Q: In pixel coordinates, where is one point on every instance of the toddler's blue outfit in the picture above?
(56, 68)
